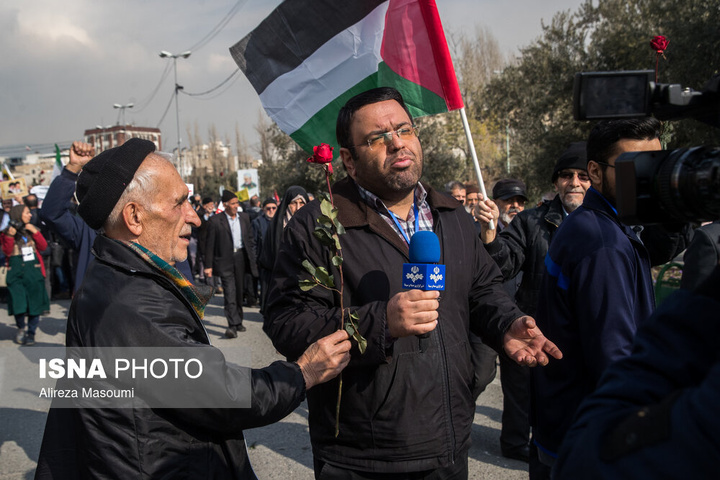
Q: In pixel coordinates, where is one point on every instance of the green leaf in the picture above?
(339, 227)
(324, 277)
(336, 241)
(350, 329)
(325, 238)
(362, 343)
(307, 285)
(354, 316)
(309, 267)
(337, 260)
(325, 223)
(328, 210)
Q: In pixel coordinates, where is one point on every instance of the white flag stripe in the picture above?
(292, 99)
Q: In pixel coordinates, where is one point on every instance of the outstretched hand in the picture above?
(325, 359)
(526, 344)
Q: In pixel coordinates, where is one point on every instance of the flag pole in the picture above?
(471, 146)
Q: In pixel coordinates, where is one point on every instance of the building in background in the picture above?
(103, 138)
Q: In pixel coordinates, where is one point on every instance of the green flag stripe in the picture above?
(320, 128)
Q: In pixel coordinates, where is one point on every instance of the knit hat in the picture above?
(574, 157)
(227, 195)
(268, 201)
(508, 188)
(103, 179)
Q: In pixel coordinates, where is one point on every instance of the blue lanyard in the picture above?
(416, 211)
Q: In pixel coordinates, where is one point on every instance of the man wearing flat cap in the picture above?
(521, 248)
(510, 197)
(229, 253)
(132, 296)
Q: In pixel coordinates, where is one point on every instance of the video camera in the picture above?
(667, 186)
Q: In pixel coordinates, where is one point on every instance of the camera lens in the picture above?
(688, 184)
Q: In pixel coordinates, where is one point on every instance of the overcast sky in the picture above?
(64, 64)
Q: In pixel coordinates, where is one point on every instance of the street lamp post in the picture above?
(166, 54)
(121, 113)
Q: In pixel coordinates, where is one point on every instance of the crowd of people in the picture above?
(557, 294)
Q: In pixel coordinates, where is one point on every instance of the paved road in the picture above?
(281, 451)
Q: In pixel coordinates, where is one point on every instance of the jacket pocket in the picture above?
(410, 405)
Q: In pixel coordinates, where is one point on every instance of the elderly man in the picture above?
(229, 254)
(520, 248)
(510, 197)
(407, 406)
(132, 296)
(456, 190)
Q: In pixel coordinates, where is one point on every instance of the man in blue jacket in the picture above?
(597, 287)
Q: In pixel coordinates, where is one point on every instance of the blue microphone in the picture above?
(423, 272)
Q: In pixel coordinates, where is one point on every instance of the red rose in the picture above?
(659, 43)
(322, 154)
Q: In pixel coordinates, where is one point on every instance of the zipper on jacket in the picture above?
(443, 350)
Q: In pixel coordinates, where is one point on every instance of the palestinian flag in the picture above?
(310, 56)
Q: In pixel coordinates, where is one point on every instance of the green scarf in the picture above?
(198, 297)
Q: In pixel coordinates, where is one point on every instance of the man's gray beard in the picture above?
(506, 217)
(571, 206)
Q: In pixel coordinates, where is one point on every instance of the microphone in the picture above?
(423, 272)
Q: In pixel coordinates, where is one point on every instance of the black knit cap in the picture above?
(103, 179)
(574, 157)
(227, 195)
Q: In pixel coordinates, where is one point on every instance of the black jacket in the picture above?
(219, 244)
(522, 246)
(125, 302)
(404, 408)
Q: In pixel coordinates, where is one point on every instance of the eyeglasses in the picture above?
(582, 176)
(270, 208)
(385, 138)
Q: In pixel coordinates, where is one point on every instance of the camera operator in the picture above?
(654, 414)
(597, 287)
(21, 243)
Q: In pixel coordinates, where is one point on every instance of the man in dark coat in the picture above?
(260, 226)
(407, 406)
(520, 248)
(229, 253)
(654, 414)
(132, 296)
